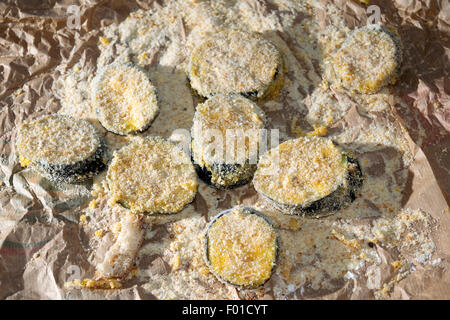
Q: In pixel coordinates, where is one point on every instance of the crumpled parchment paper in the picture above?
(36, 46)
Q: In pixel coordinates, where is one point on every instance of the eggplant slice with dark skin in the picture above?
(62, 148)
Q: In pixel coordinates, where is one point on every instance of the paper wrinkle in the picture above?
(39, 236)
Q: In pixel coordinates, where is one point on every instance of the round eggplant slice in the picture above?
(241, 247)
(151, 175)
(236, 62)
(226, 135)
(369, 59)
(308, 176)
(124, 98)
(61, 148)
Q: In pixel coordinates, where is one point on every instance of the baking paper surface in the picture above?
(41, 243)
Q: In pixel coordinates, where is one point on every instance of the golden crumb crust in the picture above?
(124, 98)
(236, 61)
(241, 247)
(301, 171)
(369, 59)
(56, 139)
(151, 175)
(61, 148)
(226, 135)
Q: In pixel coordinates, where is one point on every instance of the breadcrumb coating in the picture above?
(241, 247)
(151, 175)
(301, 171)
(57, 139)
(234, 61)
(369, 59)
(226, 135)
(124, 98)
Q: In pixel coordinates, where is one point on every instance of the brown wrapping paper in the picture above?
(40, 240)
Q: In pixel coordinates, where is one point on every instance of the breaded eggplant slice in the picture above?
(152, 176)
(369, 59)
(241, 247)
(124, 98)
(226, 135)
(61, 148)
(308, 176)
(238, 62)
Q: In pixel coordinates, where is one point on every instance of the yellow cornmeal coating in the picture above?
(235, 61)
(368, 60)
(152, 175)
(309, 169)
(242, 248)
(93, 284)
(222, 113)
(124, 98)
(56, 140)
